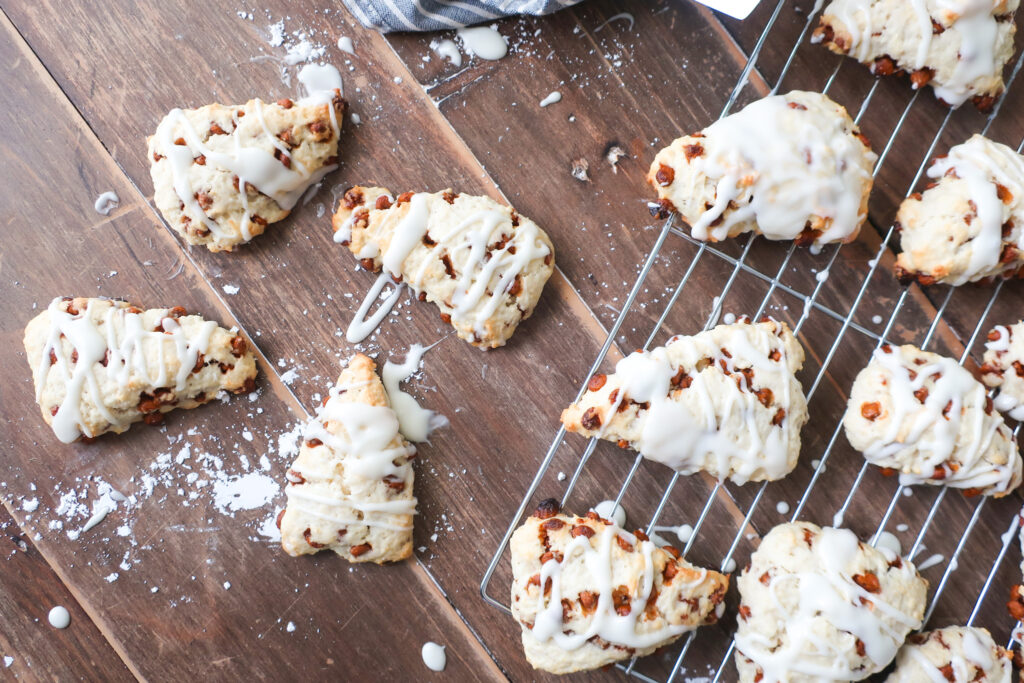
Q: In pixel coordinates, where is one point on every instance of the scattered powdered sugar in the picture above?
(230, 289)
(8, 660)
(243, 492)
(290, 627)
(290, 376)
(30, 504)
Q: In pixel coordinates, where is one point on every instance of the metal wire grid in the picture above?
(811, 303)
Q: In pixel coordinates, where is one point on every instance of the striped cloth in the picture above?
(438, 15)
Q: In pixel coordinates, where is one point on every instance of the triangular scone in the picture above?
(969, 225)
(99, 365)
(482, 263)
(788, 167)
(1004, 368)
(726, 401)
(818, 605)
(222, 173)
(350, 488)
(925, 417)
(954, 653)
(607, 594)
(959, 47)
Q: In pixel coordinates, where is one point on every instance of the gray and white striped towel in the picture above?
(438, 15)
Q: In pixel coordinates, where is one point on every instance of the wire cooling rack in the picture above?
(744, 504)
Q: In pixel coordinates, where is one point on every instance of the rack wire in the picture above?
(811, 304)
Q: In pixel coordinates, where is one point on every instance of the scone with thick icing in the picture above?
(223, 173)
(968, 225)
(789, 167)
(959, 47)
(818, 605)
(1004, 368)
(350, 488)
(959, 654)
(482, 263)
(99, 365)
(587, 593)
(925, 417)
(726, 401)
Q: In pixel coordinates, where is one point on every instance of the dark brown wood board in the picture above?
(90, 83)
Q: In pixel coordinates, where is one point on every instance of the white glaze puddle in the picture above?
(483, 42)
(415, 422)
(434, 656)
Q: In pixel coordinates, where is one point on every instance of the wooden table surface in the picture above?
(173, 585)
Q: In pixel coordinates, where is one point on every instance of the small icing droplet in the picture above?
(447, 49)
(729, 566)
(345, 45)
(889, 541)
(106, 202)
(609, 510)
(782, 507)
(59, 617)
(434, 656)
(555, 96)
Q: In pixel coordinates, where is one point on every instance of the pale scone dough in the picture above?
(925, 417)
(222, 173)
(789, 167)
(350, 488)
(818, 605)
(958, 654)
(99, 365)
(607, 594)
(725, 401)
(959, 47)
(482, 263)
(1004, 368)
(969, 225)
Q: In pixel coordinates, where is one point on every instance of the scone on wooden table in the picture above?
(99, 365)
(925, 417)
(969, 225)
(817, 604)
(587, 593)
(961, 654)
(959, 47)
(726, 401)
(1004, 368)
(789, 167)
(482, 263)
(350, 488)
(223, 173)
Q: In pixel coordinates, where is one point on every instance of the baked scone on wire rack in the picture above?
(958, 47)
(482, 263)
(350, 489)
(588, 593)
(222, 173)
(817, 604)
(955, 653)
(926, 418)
(788, 167)
(100, 365)
(969, 224)
(1003, 368)
(725, 401)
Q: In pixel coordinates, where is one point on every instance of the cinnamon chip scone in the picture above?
(99, 365)
(588, 593)
(926, 418)
(1004, 368)
(350, 488)
(959, 47)
(818, 605)
(969, 225)
(222, 173)
(960, 654)
(726, 401)
(482, 263)
(789, 167)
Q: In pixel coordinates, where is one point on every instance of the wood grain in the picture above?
(478, 128)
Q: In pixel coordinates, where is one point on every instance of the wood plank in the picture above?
(35, 648)
(175, 583)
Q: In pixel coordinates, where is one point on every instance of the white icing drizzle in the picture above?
(605, 622)
(120, 337)
(976, 657)
(976, 56)
(361, 327)
(980, 163)
(415, 422)
(830, 592)
(676, 435)
(934, 431)
(794, 167)
(252, 164)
